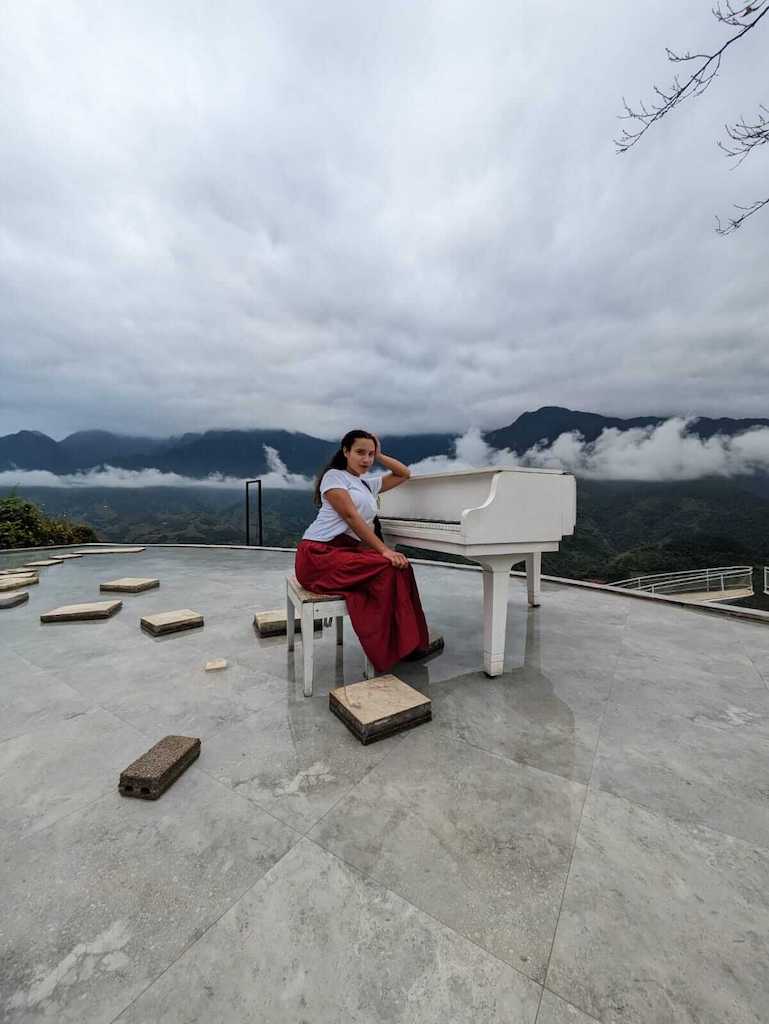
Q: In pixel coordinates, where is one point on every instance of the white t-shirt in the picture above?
(328, 523)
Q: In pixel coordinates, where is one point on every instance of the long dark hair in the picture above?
(339, 460)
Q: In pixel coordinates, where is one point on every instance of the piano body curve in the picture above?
(497, 517)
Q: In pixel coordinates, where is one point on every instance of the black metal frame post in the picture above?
(258, 483)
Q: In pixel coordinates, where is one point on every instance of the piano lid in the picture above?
(487, 469)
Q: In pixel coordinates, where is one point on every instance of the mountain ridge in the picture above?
(241, 452)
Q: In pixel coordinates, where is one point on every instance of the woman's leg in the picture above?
(383, 602)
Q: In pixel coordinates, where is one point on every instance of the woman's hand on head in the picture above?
(395, 559)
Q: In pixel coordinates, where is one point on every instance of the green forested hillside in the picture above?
(623, 529)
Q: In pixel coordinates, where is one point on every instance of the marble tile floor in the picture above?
(585, 838)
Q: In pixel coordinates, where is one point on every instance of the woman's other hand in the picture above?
(395, 558)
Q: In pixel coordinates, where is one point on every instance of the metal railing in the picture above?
(723, 578)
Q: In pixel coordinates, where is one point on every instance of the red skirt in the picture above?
(383, 601)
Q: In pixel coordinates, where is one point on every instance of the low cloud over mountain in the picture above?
(587, 444)
(665, 452)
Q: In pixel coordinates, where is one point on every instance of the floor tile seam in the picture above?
(12, 650)
(75, 810)
(58, 723)
(763, 741)
(47, 725)
(353, 787)
(565, 885)
(551, 991)
(665, 658)
(421, 910)
(193, 942)
(196, 766)
(684, 823)
(514, 762)
(225, 725)
(577, 831)
(764, 679)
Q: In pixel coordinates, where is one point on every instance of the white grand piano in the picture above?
(496, 517)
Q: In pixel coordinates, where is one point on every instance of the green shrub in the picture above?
(23, 525)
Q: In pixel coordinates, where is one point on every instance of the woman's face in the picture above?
(360, 458)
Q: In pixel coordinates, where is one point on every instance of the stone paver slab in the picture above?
(31, 699)
(547, 721)
(481, 843)
(130, 584)
(554, 1010)
(129, 885)
(320, 917)
(82, 612)
(16, 582)
(292, 758)
(13, 600)
(42, 563)
(662, 921)
(375, 708)
(171, 622)
(111, 551)
(686, 769)
(273, 623)
(57, 769)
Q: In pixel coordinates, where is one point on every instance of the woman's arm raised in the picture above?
(343, 505)
(398, 474)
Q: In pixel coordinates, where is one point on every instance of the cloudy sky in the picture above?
(408, 216)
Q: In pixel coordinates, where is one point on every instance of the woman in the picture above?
(340, 553)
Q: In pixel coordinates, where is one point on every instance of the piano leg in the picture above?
(496, 584)
(533, 577)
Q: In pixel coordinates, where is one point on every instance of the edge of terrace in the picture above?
(712, 608)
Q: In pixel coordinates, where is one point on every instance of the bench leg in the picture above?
(290, 625)
(339, 630)
(308, 636)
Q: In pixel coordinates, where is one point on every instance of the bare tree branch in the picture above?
(698, 81)
(743, 136)
(735, 222)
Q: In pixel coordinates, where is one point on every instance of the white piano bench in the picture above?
(309, 606)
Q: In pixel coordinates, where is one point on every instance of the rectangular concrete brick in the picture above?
(171, 622)
(151, 774)
(216, 665)
(379, 707)
(15, 582)
(111, 551)
(82, 612)
(42, 563)
(274, 623)
(130, 584)
(12, 600)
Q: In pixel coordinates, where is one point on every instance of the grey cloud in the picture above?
(665, 452)
(411, 218)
